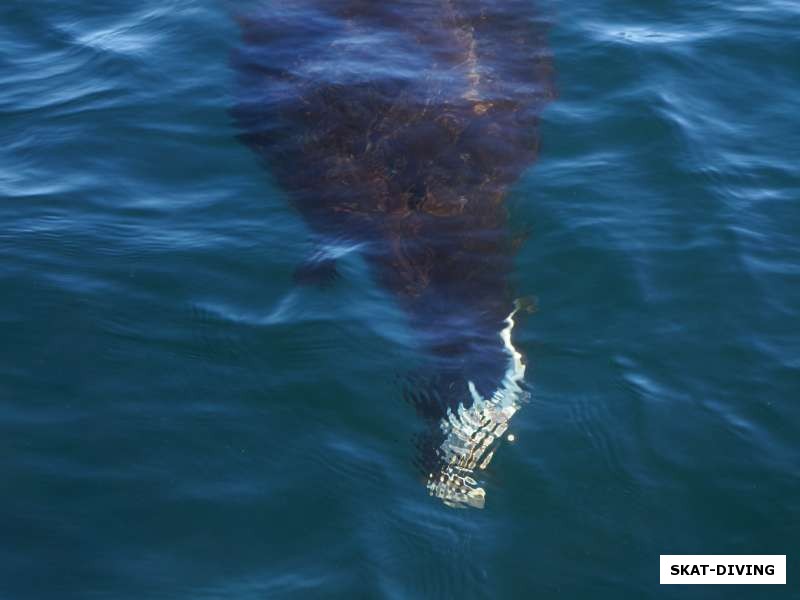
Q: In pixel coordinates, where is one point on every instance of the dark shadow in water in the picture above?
(400, 126)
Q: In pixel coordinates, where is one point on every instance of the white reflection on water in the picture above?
(471, 435)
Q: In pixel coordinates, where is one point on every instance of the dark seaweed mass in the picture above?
(402, 125)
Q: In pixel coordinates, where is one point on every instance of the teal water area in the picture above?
(179, 419)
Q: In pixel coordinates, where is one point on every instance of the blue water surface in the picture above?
(178, 419)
